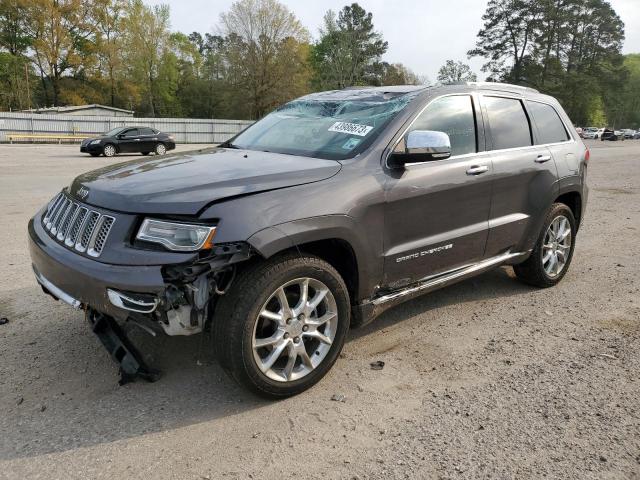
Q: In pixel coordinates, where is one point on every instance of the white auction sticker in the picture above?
(351, 128)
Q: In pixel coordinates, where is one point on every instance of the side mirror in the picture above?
(420, 146)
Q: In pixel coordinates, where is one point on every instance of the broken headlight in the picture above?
(182, 237)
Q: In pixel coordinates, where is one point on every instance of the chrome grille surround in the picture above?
(76, 225)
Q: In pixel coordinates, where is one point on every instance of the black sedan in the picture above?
(142, 140)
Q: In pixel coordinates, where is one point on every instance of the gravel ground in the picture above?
(485, 379)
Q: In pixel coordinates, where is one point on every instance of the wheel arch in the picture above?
(573, 200)
(333, 238)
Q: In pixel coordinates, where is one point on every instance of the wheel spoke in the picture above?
(319, 336)
(284, 303)
(304, 356)
(552, 263)
(265, 342)
(276, 317)
(304, 297)
(322, 320)
(275, 354)
(317, 298)
(547, 256)
(291, 362)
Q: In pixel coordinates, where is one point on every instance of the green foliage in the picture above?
(348, 51)
(567, 48)
(456, 72)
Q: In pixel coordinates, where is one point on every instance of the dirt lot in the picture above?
(488, 378)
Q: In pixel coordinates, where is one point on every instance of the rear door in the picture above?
(524, 174)
(147, 140)
(436, 213)
(552, 132)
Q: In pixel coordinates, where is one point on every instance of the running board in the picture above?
(370, 309)
(436, 281)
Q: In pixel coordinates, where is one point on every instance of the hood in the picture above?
(186, 183)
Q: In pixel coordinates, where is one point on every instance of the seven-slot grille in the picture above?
(77, 226)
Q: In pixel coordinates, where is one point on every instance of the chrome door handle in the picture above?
(137, 139)
(543, 158)
(477, 170)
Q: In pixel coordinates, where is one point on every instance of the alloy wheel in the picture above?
(295, 329)
(109, 151)
(557, 246)
(161, 149)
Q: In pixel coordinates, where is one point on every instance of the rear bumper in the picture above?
(86, 280)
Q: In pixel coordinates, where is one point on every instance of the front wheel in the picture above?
(283, 324)
(109, 150)
(160, 149)
(552, 254)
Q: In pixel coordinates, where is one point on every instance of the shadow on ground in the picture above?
(76, 382)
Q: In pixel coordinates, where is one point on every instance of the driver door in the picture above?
(437, 212)
(129, 141)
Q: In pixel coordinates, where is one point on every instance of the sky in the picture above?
(422, 34)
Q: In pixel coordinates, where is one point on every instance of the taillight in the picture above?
(587, 156)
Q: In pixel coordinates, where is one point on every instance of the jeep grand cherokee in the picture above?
(320, 216)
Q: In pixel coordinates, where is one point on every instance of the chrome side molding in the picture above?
(437, 280)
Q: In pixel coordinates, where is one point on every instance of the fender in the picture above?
(273, 240)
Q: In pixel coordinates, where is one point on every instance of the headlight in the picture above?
(95, 142)
(181, 237)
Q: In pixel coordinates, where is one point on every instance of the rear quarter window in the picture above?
(550, 127)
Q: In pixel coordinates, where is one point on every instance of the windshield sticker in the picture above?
(351, 143)
(350, 128)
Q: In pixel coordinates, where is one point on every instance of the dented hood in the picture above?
(186, 183)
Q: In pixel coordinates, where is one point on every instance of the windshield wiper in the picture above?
(229, 145)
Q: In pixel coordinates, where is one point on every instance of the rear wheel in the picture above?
(109, 150)
(160, 149)
(553, 251)
(283, 324)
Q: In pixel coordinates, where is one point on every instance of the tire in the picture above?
(109, 150)
(160, 149)
(145, 153)
(94, 154)
(536, 270)
(239, 325)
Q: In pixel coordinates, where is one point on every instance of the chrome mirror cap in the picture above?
(429, 142)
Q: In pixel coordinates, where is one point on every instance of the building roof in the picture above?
(75, 108)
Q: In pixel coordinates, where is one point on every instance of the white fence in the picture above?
(185, 130)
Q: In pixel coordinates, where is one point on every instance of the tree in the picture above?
(561, 47)
(348, 49)
(146, 42)
(14, 64)
(62, 32)
(266, 51)
(109, 41)
(456, 72)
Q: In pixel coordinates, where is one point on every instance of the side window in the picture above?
(131, 133)
(550, 127)
(509, 123)
(454, 116)
(146, 131)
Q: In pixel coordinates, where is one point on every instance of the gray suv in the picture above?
(318, 217)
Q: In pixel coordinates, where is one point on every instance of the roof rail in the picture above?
(497, 86)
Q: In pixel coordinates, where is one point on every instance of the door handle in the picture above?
(137, 139)
(477, 170)
(543, 158)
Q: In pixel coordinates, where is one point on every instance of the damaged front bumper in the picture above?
(175, 297)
